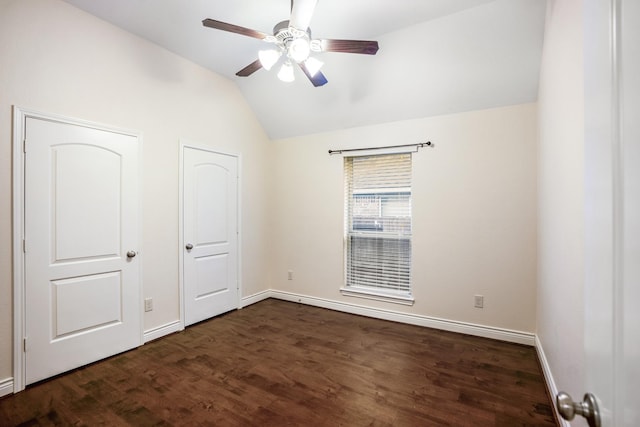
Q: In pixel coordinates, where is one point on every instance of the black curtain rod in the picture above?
(418, 145)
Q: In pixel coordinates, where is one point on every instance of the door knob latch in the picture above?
(588, 408)
(189, 246)
(131, 254)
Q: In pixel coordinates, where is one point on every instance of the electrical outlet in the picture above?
(290, 275)
(148, 304)
(478, 301)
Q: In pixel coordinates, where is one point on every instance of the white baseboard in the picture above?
(252, 299)
(6, 386)
(161, 331)
(548, 377)
(412, 319)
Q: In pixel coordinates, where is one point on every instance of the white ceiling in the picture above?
(436, 56)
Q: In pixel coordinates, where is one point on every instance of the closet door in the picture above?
(82, 299)
(210, 230)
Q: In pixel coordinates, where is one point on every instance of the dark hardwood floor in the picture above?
(283, 364)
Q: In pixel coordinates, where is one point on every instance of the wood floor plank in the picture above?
(283, 364)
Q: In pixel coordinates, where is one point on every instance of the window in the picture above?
(378, 226)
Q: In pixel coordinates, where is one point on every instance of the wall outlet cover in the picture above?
(478, 301)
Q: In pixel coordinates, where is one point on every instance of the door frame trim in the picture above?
(184, 144)
(20, 116)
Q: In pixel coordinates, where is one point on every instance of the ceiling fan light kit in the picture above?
(292, 39)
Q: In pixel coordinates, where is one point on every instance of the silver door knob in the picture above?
(131, 254)
(588, 408)
(189, 246)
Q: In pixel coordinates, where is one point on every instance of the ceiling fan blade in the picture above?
(317, 80)
(250, 69)
(365, 47)
(301, 13)
(219, 25)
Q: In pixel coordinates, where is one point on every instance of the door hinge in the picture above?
(24, 145)
(24, 344)
(24, 246)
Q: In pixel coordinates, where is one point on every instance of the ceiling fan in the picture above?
(291, 43)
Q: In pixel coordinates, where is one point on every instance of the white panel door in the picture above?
(82, 299)
(612, 210)
(210, 231)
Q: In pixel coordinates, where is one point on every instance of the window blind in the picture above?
(378, 223)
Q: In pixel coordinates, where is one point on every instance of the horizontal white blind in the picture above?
(378, 222)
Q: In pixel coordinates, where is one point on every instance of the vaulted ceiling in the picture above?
(436, 56)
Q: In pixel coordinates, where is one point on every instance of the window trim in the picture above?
(385, 295)
(368, 293)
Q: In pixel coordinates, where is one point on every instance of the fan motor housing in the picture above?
(284, 34)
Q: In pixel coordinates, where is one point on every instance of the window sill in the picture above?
(377, 296)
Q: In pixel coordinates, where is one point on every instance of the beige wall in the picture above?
(561, 195)
(474, 210)
(57, 59)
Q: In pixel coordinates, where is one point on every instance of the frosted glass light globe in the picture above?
(286, 72)
(299, 49)
(268, 58)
